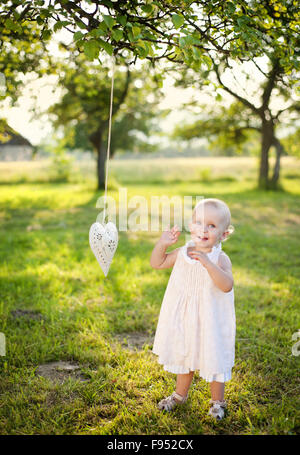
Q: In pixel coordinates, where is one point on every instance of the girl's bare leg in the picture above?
(183, 383)
(217, 391)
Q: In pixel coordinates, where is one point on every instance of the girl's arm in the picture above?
(159, 258)
(220, 273)
(162, 260)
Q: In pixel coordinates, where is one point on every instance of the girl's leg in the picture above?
(217, 400)
(217, 391)
(183, 383)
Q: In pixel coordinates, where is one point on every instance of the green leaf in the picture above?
(143, 48)
(122, 20)
(117, 35)
(147, 34)
(77, 36)
(230, 7)
(10, 24)
(39, 20)
(177, 20)
(141, 51)
(110, 22)
(81, 25)
(80, 42)
(96, 32)
(130, 36)
(57, 26)
(147, 8)
(182, 42)
(189, 40)
(136, 31)
(108, 3)
(197, 53)
(46, 34)
(207, 61)
(243, 20)
(103, 26)
(91, 49)
(44, 13)
(106, 46)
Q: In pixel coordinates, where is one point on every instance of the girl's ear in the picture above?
(227, 233)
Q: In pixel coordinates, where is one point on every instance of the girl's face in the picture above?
(207, 227)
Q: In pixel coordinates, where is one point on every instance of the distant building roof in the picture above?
(8, 136)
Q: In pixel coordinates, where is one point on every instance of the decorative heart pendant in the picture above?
(104, 242)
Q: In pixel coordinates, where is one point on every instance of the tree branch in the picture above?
(235, 95)
(270, 85)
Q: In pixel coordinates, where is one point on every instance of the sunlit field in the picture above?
(150, 170)
(56, 305)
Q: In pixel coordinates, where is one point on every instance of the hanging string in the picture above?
(109, 133)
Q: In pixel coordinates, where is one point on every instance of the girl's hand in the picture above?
(170, 236)
(200, 256)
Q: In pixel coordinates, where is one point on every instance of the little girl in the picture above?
(196, 326)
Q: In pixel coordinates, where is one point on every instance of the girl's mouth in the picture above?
(202, 238)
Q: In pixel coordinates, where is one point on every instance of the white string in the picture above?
(109, 133)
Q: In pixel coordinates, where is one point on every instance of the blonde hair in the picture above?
(224, 209)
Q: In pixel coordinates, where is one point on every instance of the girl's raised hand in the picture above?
(170, 236)
(199, 256)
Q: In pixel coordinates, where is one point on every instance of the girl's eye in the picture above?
(212, 225)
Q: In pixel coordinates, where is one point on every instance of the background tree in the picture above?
(21, 53)
(250, 112)
(227, 128)
(84, 107)
(291, 143)
(196, 33)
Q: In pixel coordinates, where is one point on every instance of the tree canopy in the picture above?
(83, 110)
(231, 126)
(178, 30)
(84, 106)
(21, 51)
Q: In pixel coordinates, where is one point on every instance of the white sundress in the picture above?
(196, 325)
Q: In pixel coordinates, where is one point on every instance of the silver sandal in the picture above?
(167, 404)
(217, 409)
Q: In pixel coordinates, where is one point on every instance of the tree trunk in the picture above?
(279, 151)
(266, 143)
(101, 160)
(97, 141)
(96, 138)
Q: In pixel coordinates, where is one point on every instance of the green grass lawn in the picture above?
(47, 267)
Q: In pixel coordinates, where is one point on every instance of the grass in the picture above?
(47, 267)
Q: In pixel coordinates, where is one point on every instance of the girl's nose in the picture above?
(199, 229)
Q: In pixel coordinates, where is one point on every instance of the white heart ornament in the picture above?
(104, 242)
